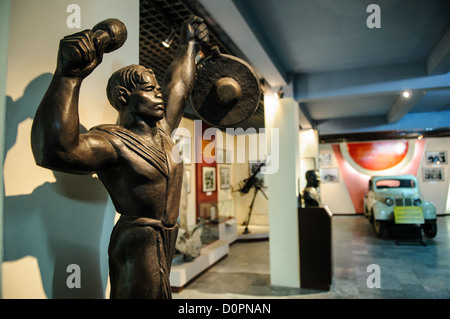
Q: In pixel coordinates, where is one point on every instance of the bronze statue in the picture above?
(311, 196)
(132, 159)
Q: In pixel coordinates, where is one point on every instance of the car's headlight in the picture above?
(389, 201)
(417, 202)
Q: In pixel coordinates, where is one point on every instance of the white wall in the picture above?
(335, 195)
(4, 30)
(187, 217)
(52, 220)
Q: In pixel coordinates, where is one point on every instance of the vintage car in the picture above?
(397, 200)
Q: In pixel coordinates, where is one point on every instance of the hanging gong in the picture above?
(226, 91)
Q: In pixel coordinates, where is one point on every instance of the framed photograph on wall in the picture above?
(436, 157)
(433, 174)
(208, 179)
(325, 159)
(224, 178)
(329, 175)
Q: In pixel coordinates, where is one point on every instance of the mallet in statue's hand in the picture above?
(108, 35)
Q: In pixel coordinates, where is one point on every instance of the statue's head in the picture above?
(135, 90)
(312, 178)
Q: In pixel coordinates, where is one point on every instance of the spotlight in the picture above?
(168, 41)
(279, 94)
(200, 55)
(406, 94)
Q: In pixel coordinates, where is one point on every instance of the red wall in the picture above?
(357, 182)
(202, 197)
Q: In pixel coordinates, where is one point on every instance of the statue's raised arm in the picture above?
(180, 76)
(55, 135)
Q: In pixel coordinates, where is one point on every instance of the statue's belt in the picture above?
(145, 221)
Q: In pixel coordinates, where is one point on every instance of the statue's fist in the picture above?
(79, 54)
(194, 29)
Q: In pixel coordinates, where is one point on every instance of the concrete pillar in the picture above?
(281, 115)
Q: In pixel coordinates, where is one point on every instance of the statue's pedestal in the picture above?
(316, 261)
(228, 230)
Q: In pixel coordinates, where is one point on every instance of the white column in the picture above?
(282, 115)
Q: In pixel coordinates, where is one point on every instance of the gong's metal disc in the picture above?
(226, 91)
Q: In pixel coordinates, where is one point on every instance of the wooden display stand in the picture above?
(316, 267)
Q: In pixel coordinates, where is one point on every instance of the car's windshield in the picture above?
(395, 183)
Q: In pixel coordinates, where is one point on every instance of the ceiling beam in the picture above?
(305, 120)
(439, 60)
(402, 105)
(367, 81)
(423, 120)
(227, 15)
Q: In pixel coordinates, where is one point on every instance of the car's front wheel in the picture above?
(379, 227)
(430, 229)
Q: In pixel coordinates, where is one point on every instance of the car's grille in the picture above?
(403, 202)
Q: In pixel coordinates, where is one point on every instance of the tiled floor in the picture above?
(407, 271)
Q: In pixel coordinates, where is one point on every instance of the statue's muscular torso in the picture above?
(145, 181)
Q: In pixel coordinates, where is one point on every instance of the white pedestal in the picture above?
(183, 272)
(228, 230)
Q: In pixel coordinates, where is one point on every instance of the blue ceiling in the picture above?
(346, 76)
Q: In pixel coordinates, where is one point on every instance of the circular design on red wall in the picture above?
(377, 156)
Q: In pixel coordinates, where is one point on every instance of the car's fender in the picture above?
(429, 211)
(381, 211)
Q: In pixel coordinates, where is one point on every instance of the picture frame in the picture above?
(436, 157)
(325, 159)
(433, 174)
(208, 179)
(225, 177)
(329, 175)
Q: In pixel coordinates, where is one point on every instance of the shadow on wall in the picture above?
(60, 223)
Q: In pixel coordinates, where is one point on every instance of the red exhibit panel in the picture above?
(377, 156)
(206, 175)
